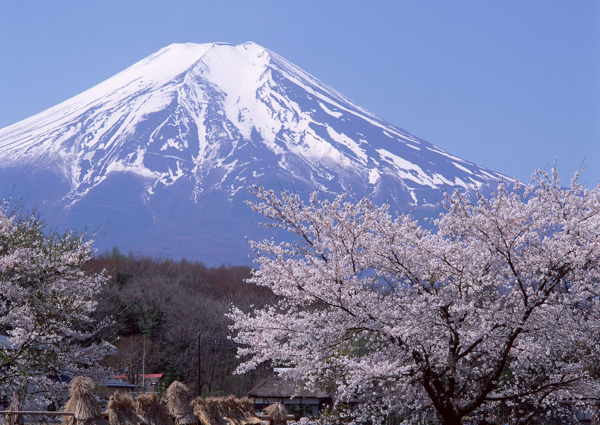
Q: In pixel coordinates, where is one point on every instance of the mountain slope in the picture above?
(162, 152)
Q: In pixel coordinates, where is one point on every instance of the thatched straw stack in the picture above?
(83, 404)
(205, 416)
(150, 408)
(278, 413)
(179, 405)
(121, 410)
(225, 411)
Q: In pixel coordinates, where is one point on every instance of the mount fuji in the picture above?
(160, 155)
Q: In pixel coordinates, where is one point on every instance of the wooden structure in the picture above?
(279, 389)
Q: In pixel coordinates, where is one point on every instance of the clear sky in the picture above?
(508, 84)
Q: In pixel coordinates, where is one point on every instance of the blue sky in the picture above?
(510, 85)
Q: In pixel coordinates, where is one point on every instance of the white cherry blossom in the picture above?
(46, 303)
(493, 306)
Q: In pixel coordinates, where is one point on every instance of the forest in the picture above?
(166, 315)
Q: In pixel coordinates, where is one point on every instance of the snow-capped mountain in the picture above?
(161, 153)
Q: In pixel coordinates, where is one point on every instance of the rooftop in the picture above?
(282, 387)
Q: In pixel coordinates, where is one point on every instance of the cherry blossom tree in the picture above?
(46, 303)
(492, 307)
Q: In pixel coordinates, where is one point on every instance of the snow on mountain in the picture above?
(164, 150)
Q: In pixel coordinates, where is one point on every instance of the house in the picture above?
(148, 382)
(112, 385)
(297, 401)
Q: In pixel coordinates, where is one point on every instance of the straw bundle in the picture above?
(225, 411)
(278, 413)
(121, 410)
(150, 408)
(179, 406)
(204, 417)
(83, 404)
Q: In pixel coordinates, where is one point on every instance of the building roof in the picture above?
(277, 386)
(147, 376)
(119, 384)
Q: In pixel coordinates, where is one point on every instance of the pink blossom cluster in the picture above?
(494, 304)
(46, 303)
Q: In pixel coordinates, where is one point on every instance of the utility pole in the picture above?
(215, 343)
(144, 363)
(199, 343)
(145, 328)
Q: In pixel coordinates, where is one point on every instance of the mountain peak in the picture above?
(188, 52)
(198, 49)
(192, 125)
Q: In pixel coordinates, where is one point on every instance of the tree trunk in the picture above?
(451, 419)
(15, 406)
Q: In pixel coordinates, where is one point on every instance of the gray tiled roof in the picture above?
(119, 383)
(276, 386)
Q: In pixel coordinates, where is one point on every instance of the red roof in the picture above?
(147, 375)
